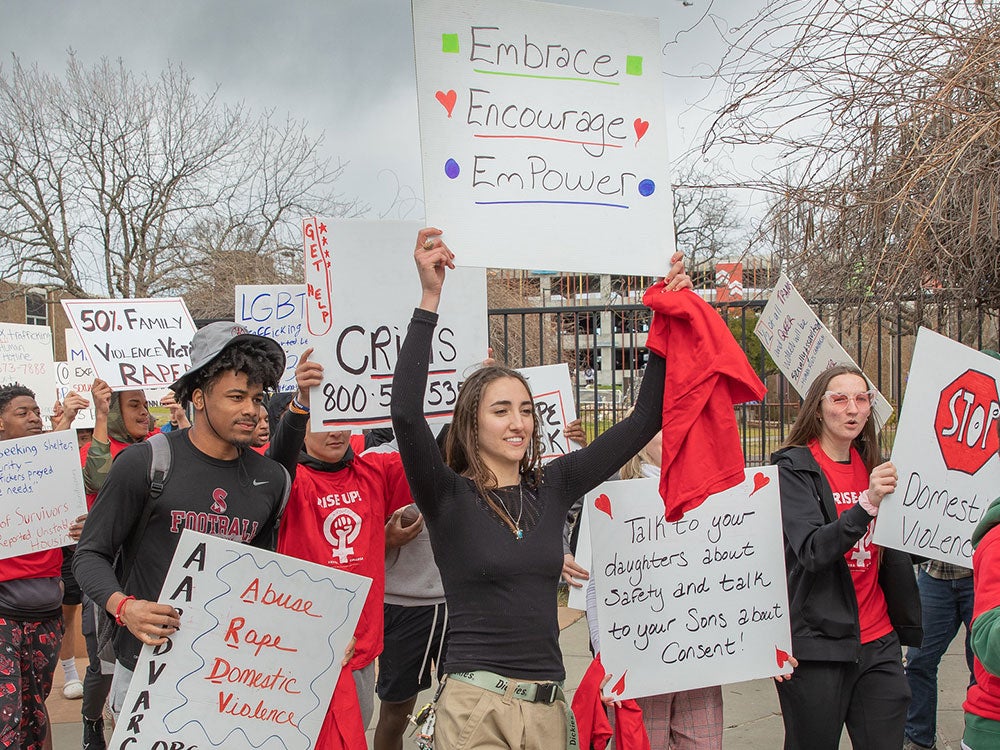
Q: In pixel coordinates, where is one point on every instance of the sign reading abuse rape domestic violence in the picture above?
(134, 343)
(41, 492)
(945, 452)
(373, 289)
(691, 603)
(257, 655)
(543, 132)
(801, 346)
(278, 312)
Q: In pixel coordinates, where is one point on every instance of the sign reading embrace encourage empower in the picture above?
(543, 135)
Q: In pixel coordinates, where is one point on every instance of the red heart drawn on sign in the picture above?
(603, 504)
(780, 656)
(641, 126)
(447, 99)
(619, 687)
(760, 480)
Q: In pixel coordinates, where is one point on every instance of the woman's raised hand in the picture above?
(677, 277)
(432, 257)
(882, 482)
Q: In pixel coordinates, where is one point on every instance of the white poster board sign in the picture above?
(693, 603)
(26, 358)
(584, 558)
(79, 377)
(41, 492)
(945, 452)
(257, 655)
(543, 133)
(555, 408)
(801, 345)
(278, 312)
(374, 290)
(134, 343)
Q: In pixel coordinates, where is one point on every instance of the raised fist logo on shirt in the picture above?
(341, 528)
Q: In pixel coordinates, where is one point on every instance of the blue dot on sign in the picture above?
(646, 188)
(451, 168)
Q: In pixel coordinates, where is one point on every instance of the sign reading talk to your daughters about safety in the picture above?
(945, 452)
(692, 603)
(357, 313)
(543, 132)
(134, 343)
(257, 655)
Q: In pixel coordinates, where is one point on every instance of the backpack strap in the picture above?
(159, 470)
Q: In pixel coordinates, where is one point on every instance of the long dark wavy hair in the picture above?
(462, 443)
(809, 424)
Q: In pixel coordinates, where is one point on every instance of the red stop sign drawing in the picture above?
(966, 421)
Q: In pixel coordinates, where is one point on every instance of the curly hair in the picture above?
(251, 358)
(462, 442)
(10, 391)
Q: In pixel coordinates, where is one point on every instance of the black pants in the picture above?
(870, 696)
(95, 684)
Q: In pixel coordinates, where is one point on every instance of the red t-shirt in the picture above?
(337, 518)
(848, 481)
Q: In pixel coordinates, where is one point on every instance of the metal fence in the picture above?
(604, 347)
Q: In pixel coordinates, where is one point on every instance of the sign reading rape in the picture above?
(257, 655)
(548, 119)
(278, 312)
(368, 323)
(692, 603)
(945, 452)
(552, 392)
(800, 345)
(134, 343)
(41, 492)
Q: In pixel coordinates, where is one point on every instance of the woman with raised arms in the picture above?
(495, 519)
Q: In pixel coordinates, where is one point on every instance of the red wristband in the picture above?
(121, 609)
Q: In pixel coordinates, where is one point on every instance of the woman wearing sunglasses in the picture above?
(851, 602)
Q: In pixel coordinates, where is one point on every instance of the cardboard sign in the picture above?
(41, 492)
(79, 377)
(802, 346)
(278, 312)
(257, 655)
(369, 321)
(945, 452)
(555, 408)
(134, 343)
(584, 558)
(26, 358)
(698, 602)
(543, 132)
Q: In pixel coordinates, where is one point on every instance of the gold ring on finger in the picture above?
(428, 244)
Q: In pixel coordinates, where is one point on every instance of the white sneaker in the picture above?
(73, 690)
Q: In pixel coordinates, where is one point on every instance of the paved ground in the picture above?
(751, 708)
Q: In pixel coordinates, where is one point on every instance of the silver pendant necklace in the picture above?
(515, 524)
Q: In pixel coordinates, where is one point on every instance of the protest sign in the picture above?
(278, 312)
(319, 280)
(41, 492)
(543, 132)
(134, 343)
(945, 452)
(801, 346)
(257, 655)
(369, 321)
(584, 558)
(692, 603)
(79, 377)
(555, 408)
(26, 358)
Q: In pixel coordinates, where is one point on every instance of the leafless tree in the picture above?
(880, 124)
(110, 181)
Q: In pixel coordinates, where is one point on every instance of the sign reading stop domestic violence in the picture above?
(257, 655)
(543, 131)
(278, 312)
(801, 345)
(692, 603)
(945, 452)
(134, 343)
(41, 492)
(374, 288)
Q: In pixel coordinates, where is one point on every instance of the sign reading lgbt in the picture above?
(278, 312)
(543, 132)
(257, 655)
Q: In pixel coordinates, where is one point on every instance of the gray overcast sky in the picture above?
(344, 66)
